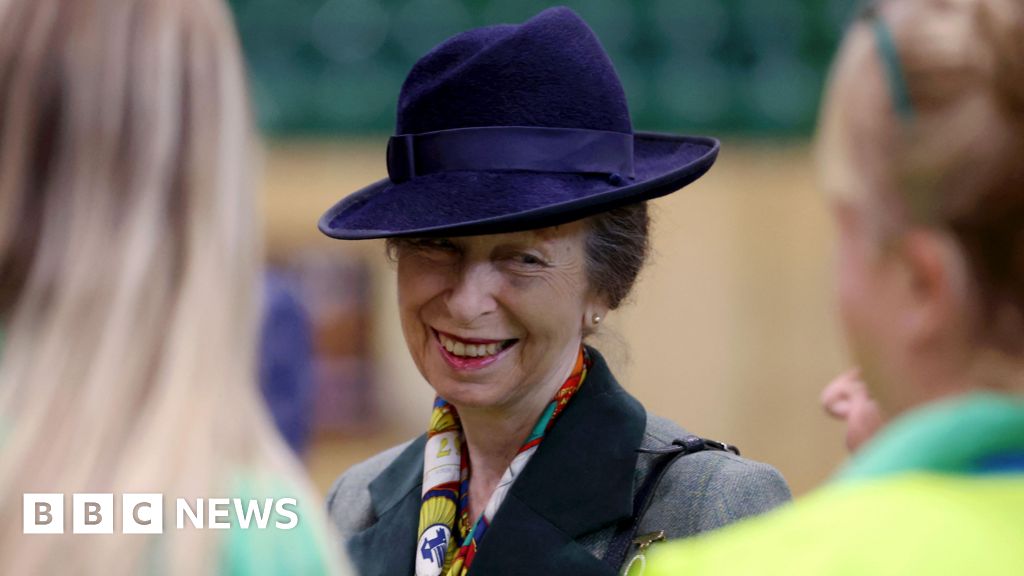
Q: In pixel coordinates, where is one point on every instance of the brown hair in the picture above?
(616, 250)
(956, 162)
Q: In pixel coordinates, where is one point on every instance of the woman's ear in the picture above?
(594, 313)
(933, 285)
(596, 305)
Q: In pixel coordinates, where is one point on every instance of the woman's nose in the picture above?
(472, 295)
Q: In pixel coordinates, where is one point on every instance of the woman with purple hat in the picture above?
(515, 210)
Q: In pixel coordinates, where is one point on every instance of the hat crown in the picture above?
(550, 71)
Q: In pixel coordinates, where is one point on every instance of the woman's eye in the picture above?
(529, 259)
(438, 249)
(442, 244)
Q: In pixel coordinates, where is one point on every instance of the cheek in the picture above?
(407, 290)
(420, 279)
(567, 299)
(863, 319)
(549, 310)
(418, 286)
(849, 279)
(856, 278)
(866, 311)
(541, 307)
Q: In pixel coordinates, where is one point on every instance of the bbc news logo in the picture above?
(144, 513)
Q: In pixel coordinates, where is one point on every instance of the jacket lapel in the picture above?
(579, 481)
(387, 547)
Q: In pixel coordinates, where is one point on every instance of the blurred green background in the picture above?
(745, 67)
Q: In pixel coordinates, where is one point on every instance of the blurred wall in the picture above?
(336, 66)
(730, 331)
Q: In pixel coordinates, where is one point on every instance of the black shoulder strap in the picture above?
(625, 533)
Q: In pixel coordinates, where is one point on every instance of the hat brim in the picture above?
(467, 203)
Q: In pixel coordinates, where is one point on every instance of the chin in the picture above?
(464, 394)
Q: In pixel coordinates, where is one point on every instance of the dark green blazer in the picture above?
(560, 514)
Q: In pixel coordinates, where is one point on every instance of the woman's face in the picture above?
(852, 171)
(861, 278)
(495, 321)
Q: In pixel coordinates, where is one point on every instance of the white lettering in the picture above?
(253, 508)
(90, 513)
(42, 513)
(293, 515)
(215, 511)
(183, 509)
(142, 513)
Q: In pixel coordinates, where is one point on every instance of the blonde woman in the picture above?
(128, 263)
(923, 155)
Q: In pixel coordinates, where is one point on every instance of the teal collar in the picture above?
(951, 436)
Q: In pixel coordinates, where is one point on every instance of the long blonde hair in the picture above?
(129, 260)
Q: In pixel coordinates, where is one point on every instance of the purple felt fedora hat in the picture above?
(514, 127)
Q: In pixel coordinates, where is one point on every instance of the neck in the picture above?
(495, 434)
(980, 370)
(998, 372)
(494, 439)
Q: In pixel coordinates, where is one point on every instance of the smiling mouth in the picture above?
(475, 348)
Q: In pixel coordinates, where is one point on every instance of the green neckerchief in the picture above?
(949, 436)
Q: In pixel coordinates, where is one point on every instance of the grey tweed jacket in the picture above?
(560, 515)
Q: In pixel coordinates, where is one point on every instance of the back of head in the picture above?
(128, 267)
(952, 160)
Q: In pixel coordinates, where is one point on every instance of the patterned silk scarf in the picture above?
(446, 482)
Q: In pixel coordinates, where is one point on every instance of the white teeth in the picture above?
(470, 350)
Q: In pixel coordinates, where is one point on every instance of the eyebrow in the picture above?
(534, 242)
(518, 245)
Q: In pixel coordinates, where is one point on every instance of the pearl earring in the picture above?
(596, 319)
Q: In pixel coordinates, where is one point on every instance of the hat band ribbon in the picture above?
(510, 148)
